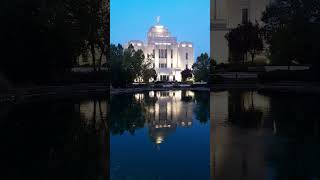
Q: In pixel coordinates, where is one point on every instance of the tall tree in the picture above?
(147, 71)
(117, 73)
(200, 68)
(95, 28)
(244, 39)
(133, 63)
(236, 46)
(255, 40)
(128, 65)
(106, 28)
(291, 28)
(42, 39)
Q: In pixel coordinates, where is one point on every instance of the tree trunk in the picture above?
(242, 56)
(93, 53)
(252, 106)
(252, 57)
(100, 60)
(94, 114)
(101, 113)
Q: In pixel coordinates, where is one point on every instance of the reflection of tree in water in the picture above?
(51, 140)
(292, 152)
(239, 115)
(296, 117)
(127, 114)
(295, 153)
(202, 107)
(185, 97)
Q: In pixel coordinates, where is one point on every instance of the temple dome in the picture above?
(158, 30)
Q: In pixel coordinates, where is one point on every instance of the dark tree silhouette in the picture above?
(185, 74)
(255, 40)
(200, 69)
(41, 40)
(246, 38)
(148, 74)
(291, 30)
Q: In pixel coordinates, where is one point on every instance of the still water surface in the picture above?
(160, 135)
(47, 140)
(262, 136)
(163, 135)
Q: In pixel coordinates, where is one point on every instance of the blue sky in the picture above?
(188, 20)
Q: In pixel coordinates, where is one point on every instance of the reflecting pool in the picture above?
(170, 135)
(160, 135)
(264, 136)
(66, 139)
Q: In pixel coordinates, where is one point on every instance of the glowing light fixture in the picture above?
(159, 26)
(162, 43)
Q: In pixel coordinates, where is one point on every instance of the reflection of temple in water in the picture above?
(166, 111)
(235, 154)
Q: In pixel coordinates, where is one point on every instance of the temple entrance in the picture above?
(164, 78)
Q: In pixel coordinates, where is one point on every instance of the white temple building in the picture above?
(226, 15)
(169, 57)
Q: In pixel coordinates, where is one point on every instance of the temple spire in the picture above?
(158, 20)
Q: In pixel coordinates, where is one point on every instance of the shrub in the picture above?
(214, 79)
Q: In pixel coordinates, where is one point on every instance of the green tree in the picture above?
(117, 74)
(244, 39)
(133, 63)
(255, 40)
(42, 39)
(127, 65)
(202, 107)
(128, 116)
(106, 28)
(291, 28)
(236, 46)
(149, 74)
(201, 67)
(185, 74)
(213, 63)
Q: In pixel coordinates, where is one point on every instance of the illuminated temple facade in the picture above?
(226, 15)
(168, 56)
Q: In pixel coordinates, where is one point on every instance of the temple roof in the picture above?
(158, 30)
